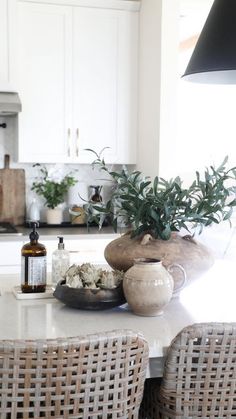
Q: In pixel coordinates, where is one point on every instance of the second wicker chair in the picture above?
(199, 379)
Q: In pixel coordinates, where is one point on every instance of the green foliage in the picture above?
(163, 206)
(53, 191)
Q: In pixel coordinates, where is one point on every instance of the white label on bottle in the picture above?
(37, 270)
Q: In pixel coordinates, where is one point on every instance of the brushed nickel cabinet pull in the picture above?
(77, 142)
(68, 142)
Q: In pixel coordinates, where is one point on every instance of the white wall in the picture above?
(183, 127)
(206, 113)
(204, 125)
(168, 147)
(149, 86)
(158, 86)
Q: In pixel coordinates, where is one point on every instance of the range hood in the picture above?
(10, 103)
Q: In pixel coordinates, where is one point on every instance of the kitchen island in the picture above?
(208, 298)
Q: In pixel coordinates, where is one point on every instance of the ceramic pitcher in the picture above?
(148, 286)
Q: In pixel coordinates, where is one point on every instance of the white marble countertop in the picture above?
(209, 298)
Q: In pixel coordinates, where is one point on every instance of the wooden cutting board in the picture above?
(12, 194)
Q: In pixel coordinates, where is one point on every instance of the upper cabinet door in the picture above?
(78, 83)
(8, 80)
(95, 80)
(104, 70)
(44, 57)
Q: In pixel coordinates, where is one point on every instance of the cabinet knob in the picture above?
(68, 142)
(77, 142)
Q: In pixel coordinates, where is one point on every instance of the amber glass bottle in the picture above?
(33, 264)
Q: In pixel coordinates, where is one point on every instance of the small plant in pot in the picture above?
(158, 210)
(53, 188)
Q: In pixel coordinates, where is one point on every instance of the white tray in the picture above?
(32, 295)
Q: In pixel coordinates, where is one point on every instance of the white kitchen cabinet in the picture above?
(78, 82)
(7, 45)
(44, 37)
(10, 256)
(84, 248)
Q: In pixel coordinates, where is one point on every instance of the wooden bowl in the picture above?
(89, 298)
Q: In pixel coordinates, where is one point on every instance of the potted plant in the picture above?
(157, 211)
(52, 187)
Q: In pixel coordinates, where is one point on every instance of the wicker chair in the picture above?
(199, 379)
(94, 376)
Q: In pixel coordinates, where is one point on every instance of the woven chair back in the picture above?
(199, 378)
(96, 376)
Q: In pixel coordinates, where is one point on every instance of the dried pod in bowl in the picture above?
(89, 287)
(111, 279)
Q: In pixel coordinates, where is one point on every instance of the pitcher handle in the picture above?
(184, 280)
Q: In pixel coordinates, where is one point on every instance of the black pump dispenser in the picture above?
(61, 244)
(34, 236)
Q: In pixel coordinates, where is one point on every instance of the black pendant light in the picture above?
(214, 57)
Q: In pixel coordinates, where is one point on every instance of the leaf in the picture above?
(99, 208)
(165, 234)
(154, 215)
(114, 224)
(228, 214)
(143, 186)
(232, 203)
(222, 166)
(155, 185)
(213, 219)
(92, 151)
(162, 206)
(198, 177)
(138, 231)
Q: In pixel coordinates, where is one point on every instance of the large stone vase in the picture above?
(194, 257)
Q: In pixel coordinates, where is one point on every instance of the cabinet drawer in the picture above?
(10, 256)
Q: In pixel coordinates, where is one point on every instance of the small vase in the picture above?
(54, 215)
(77, 214)
(34, 213)
(148, 286)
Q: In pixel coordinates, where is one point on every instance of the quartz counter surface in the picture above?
(208, 298)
